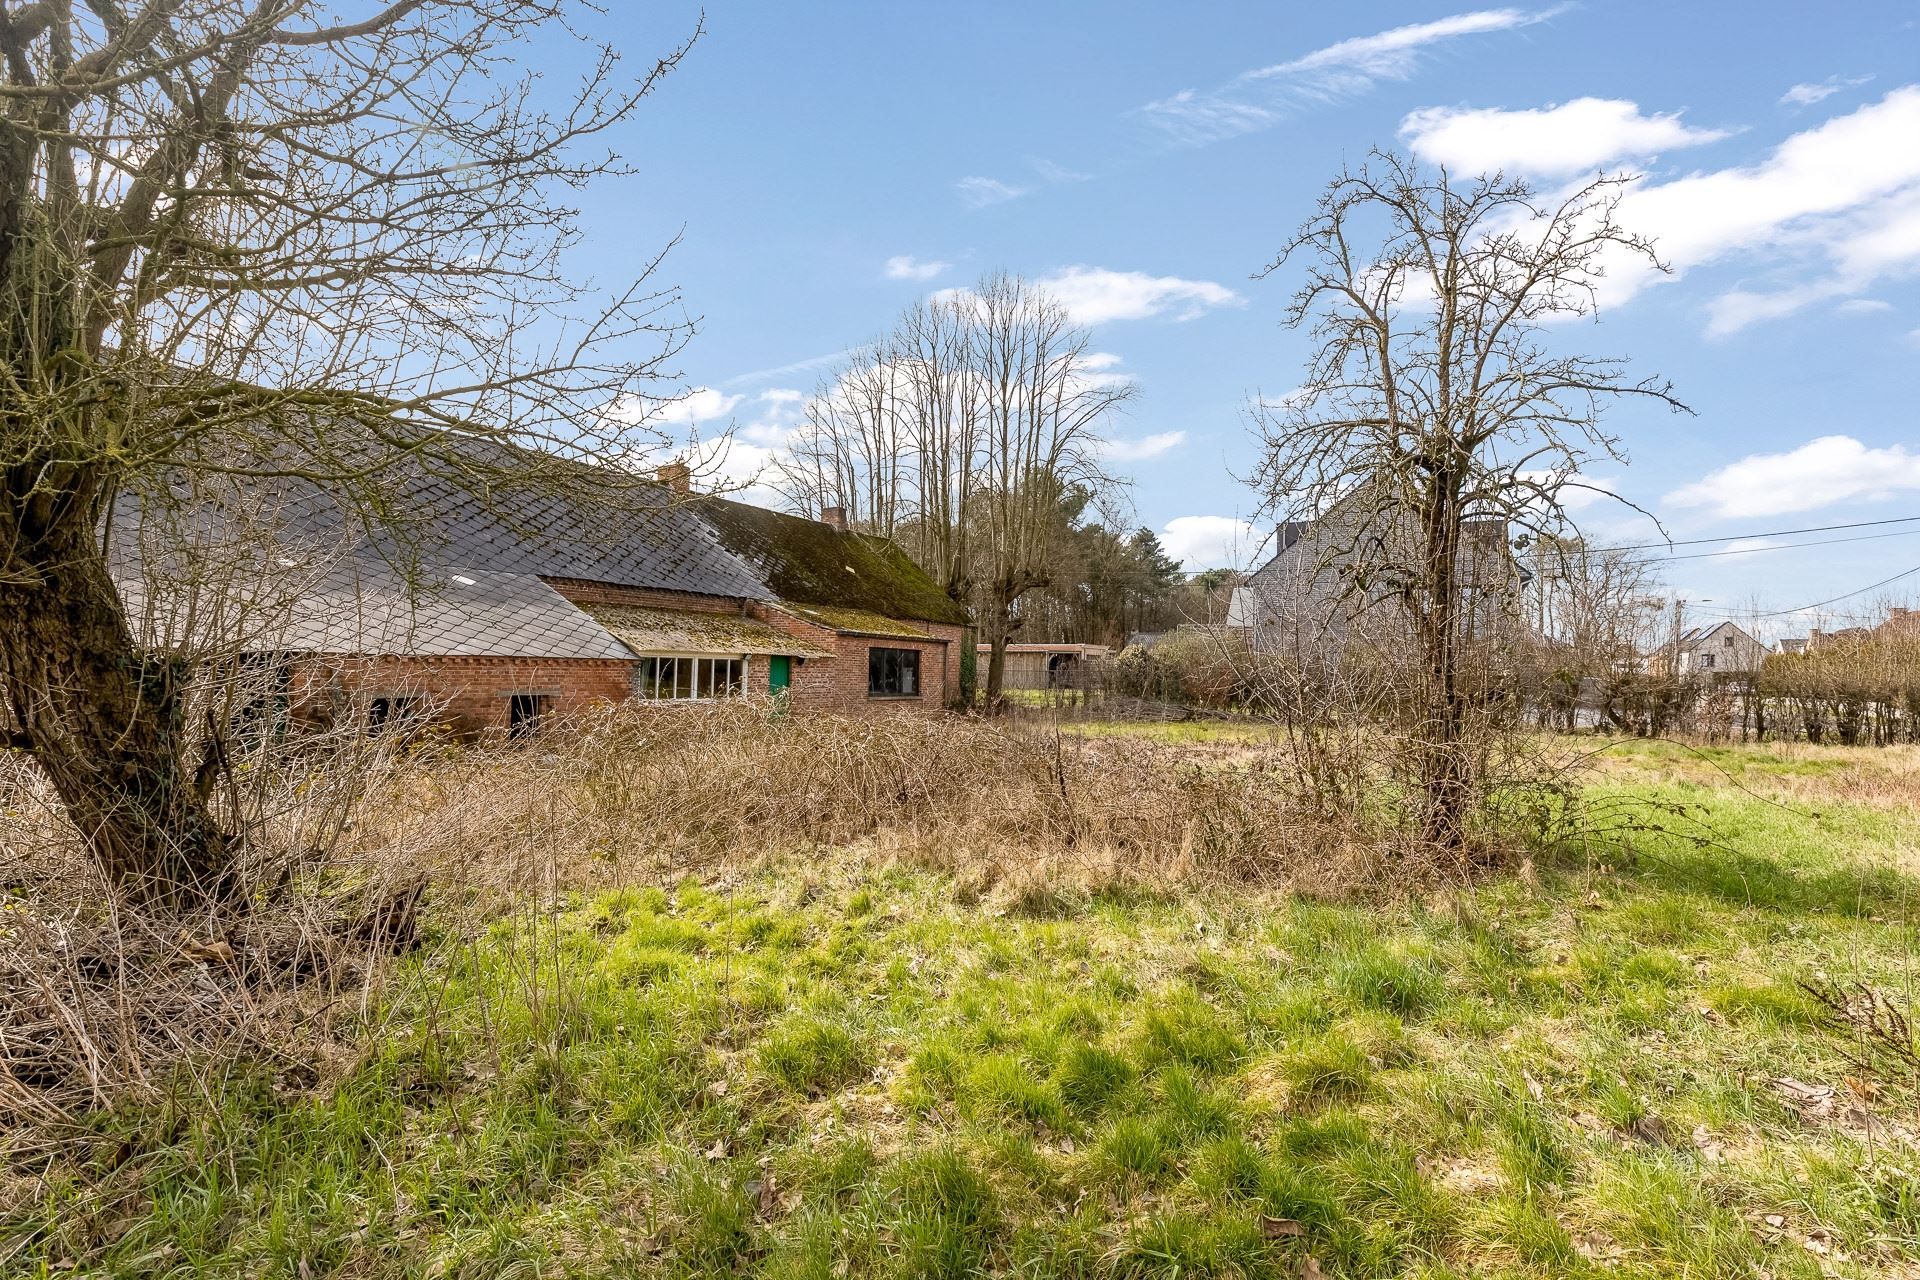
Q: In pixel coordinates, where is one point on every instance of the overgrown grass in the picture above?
(826, 1067)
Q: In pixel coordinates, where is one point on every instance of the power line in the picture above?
(1772, 533)
(1817, 604)
(1732, 537)
(1790, 546)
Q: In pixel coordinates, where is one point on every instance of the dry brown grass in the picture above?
(638, 792)
(100, 1003)
(1883, 778)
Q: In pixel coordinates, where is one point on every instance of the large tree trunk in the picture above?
(1445, 777)
(104, 719)
(999, 629)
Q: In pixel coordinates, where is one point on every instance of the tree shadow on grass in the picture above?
(1743, 879)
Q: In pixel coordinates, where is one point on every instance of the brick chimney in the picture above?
(677, 476)
(834, 518)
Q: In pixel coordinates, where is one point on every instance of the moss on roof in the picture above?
(810, 563)
(649, 630)
(862, 622)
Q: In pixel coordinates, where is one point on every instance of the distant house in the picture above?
(501, 617)
(1899, 624)
(1336, 579)
(1049, 666)
(1719, 650)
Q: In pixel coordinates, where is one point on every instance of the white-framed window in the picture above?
(688, 678)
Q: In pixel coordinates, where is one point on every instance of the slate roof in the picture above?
(360, 606)
(456, 510)
(426, 512)
(688, 631)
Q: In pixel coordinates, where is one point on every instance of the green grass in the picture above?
(829, 1070)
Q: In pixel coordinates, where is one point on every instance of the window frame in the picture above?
(905, 673)
(704, 677)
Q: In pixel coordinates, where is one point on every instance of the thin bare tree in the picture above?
(1594, 615)
(248, 241)
(1436, 407)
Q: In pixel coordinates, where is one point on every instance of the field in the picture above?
(1641, 1055)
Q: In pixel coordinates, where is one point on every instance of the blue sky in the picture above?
(829, 162)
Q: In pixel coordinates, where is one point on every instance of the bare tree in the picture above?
(1435, 399)
(960, 432)
(243, 241)
(1594, 614)
(1044, 403)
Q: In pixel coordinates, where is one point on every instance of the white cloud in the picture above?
(1142, 449)
(1584, 134)
(702, 404)
(1094, 295)
(980, 192)
(1833, 209)
(742, 462)
(1805, 95)
(1210, 542)
(1262, 97)
(782, 370)
(904, 266)
(1740, 548)
(1863, 306)
(1055, 173)
(1819, 473)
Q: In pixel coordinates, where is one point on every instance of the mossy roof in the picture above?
(649, 630)
(861, 622)
(806, 562)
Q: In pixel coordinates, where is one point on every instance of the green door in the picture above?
(779, 672)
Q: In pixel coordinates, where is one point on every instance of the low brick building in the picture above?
(500, 620)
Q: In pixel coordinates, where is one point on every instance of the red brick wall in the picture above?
(469, 694)
(839, 683)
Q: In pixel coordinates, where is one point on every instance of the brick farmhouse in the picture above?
(495, 618)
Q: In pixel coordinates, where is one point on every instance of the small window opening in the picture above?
(389, 714)
(525, 711)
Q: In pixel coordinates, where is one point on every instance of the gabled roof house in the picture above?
(498, 615)
(1332, 582)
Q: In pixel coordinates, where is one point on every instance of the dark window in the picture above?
(691, 678)
(524, 713)
(1706, 660)
(893, 673)
(392, 715)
